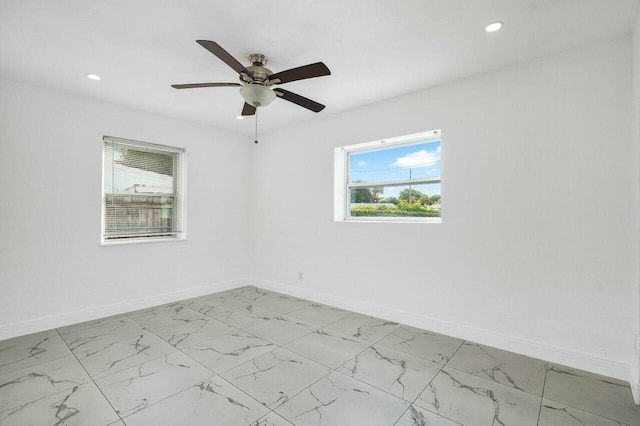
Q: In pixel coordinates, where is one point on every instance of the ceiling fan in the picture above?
(257, 82)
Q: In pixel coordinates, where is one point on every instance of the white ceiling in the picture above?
(376, 49)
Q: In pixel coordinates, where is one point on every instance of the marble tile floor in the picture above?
(254, 357)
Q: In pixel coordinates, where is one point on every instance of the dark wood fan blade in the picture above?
(299, 100)
(248, 109)
(196, 85)
(224, 56)
(308, 71)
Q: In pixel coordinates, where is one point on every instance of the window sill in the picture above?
(378, 220)
(141, 241)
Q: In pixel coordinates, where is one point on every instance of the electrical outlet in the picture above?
(300, 276)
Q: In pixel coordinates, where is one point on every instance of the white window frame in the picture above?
(342, 186)
(180, 185)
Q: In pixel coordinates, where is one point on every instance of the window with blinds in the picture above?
(142, 191)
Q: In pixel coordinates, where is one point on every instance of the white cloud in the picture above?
(391, 191)
(422, 158)
(363, 163)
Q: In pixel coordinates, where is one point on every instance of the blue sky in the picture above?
(421, 160)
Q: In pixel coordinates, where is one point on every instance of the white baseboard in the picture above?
(514, 344)
(88, 314)
(635, 386)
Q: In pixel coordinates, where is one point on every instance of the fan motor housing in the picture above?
(258, 70)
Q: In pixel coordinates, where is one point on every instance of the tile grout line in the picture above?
(115, 319)
(173, 325)
(3, 411)
(34, 365)
(370, 344)
(91, 378)
(588, 412)
(331, 370)
(176, 350)
(544, 385)
(277, 346)
(569, 405)
(485, 378)
(435, 362)
(145, 330)
(434, 377)
(174, 394)
(409, 353)
(82, 365)
(446, 364)
(118, 339)
(206, 368)
(466, 372)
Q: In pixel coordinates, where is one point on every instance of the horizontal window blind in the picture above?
(141, 198)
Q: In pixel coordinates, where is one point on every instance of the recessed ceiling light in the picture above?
(91, 76)
(240, 117)
(494, 26)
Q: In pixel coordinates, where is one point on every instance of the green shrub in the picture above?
(385, 211)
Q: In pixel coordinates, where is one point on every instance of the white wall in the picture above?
(635, 111)
(533, 253)
(52, 266)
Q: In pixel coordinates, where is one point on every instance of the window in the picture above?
(395, 180)
(143, 192)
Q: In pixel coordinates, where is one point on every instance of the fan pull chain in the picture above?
(256, 139)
